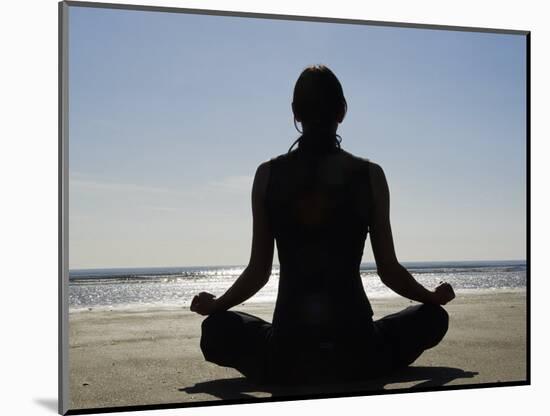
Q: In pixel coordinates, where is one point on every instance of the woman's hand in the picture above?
(443, 293)
(203, 303)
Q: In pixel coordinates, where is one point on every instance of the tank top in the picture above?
(320, 221)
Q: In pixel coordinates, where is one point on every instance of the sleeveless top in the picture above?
(320, 223)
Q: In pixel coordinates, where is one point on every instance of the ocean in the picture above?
(176, 286)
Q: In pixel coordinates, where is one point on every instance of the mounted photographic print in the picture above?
(263, 207)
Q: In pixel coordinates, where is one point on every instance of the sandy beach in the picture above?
(143, 357)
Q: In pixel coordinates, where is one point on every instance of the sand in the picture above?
(144, 357)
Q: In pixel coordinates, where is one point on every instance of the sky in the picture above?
(170, 114)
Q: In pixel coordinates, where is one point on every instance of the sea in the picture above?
(120, 288)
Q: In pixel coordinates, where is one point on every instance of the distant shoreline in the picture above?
(176, 287)
(363, 265)
(265, 304)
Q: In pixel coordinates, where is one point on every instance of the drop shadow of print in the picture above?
(240, 388)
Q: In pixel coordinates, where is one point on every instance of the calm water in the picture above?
(175, 286)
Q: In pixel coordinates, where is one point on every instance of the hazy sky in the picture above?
(170, 114)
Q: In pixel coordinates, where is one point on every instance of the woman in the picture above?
(318, 202)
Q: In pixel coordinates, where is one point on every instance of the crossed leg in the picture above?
(238, 340)
(241, 340)
(407, 334)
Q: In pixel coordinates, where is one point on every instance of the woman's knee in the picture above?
(215, 332)
(437, 321)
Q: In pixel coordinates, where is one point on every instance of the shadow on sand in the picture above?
(239, 388)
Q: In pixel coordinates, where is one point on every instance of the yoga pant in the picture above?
(245, 342)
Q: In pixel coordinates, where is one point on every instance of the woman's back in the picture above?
(317, 207)
(314, 202)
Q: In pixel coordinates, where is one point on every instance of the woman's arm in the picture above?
(391, 272)
(257, 273)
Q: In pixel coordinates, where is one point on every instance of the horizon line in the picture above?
(277, 264)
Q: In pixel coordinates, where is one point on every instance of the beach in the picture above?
(129, 357)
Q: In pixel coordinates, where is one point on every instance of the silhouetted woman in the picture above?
(318, 202)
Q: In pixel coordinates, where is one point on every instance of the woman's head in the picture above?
(318, 100)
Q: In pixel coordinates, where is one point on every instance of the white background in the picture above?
(28, 174)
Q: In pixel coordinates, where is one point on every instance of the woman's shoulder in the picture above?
(265, 167)
(365, 167)
(354, 158)
(360, 161)
(281, 158)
